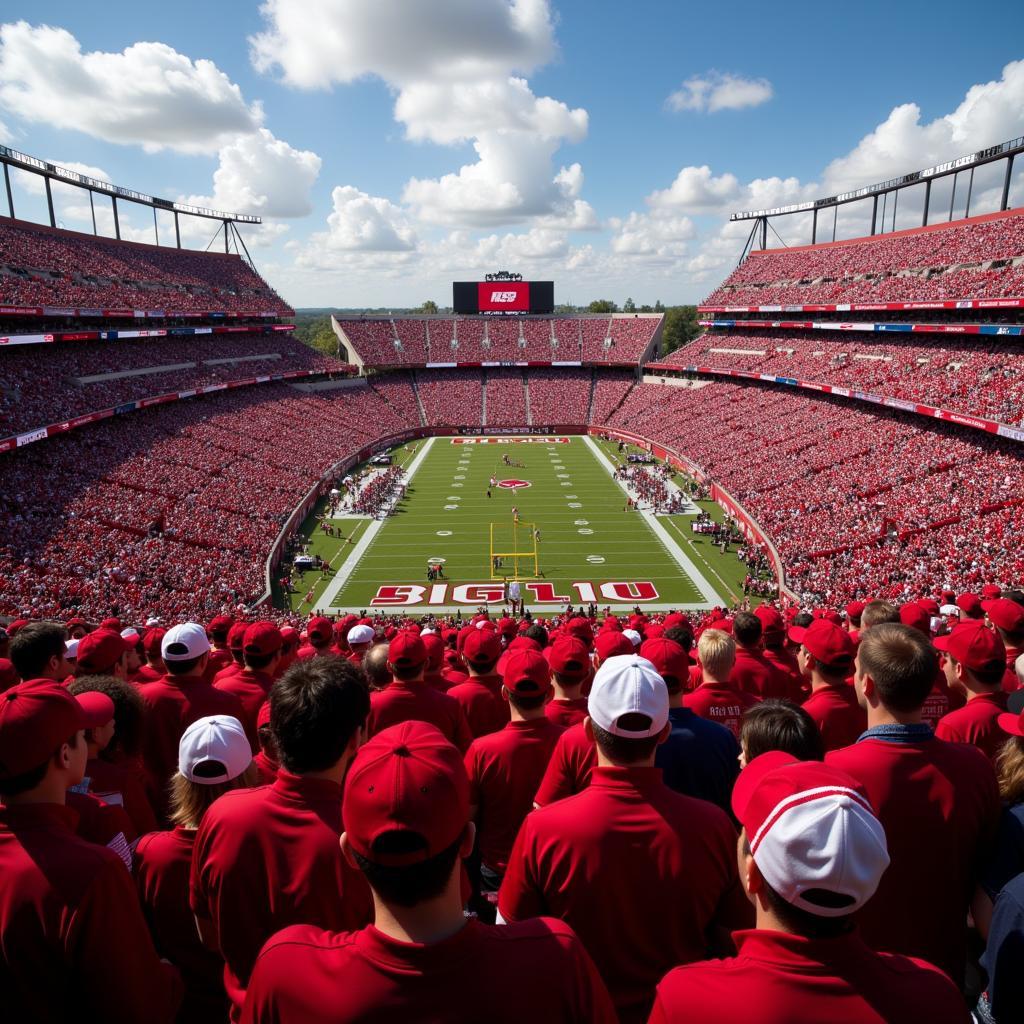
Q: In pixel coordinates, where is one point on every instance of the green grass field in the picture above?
(590, 547)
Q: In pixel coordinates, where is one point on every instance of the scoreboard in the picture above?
(503, 294)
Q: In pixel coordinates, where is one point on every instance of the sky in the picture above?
(393, 146)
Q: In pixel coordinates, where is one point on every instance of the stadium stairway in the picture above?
(590, 400)
(483, 400)
(419, 401)
(620, 403)
(526, 398)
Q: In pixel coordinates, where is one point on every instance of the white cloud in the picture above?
(642, 234)
(317, 43)
(715, 91)
(148, 94)
(363, 223)
(262, 175)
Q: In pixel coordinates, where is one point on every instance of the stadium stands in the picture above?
(506, 399)
(559, 396)
(610, 389)
(397, 390)
(451, 398)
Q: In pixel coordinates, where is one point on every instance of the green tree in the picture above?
(602, 306)
(680, 327)
(430, 306)
(658, 307)
(629, 306)
(316, 332)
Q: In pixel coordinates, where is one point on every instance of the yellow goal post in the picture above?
(514, 551)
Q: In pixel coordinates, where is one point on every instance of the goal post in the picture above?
(514, 554)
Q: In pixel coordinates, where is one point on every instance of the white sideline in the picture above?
(324, 602)
(709, 594)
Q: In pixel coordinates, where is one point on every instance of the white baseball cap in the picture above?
(812, 833)
(214, 750)
(633, 636)
(361, 635)
(628, 685)
(130, 634)
(153, 621)
(184, 642)
(71, 649)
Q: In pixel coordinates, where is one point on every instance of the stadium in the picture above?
(510, 660)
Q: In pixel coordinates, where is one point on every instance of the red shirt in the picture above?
(638, 871)
(721, 704)
(266, 767)
(754, 674)
(568, 770)
(976, 723)
(230, 670)
(413, 700)
(172, 705)
(251, 687)
(939, 805)
(146, 674)
(485, 708)
(73, 942)
(437, 681)
(220, 658)
(504, 770)
(788, 979)
(566, 712)
(162, 863)
(838, 716)
(118, 785)
(785, 662)
(270, 857)
(1010, 680)
(936, 705)
(537, 971)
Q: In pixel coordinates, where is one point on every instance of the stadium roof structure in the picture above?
(965, 164)
(53, 172)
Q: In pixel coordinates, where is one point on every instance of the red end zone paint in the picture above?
(514, 484)
(411, 594)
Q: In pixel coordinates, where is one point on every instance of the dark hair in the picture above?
(833, 673)
(746, 628)
(410, 884)
(878, 612)
(34, 645)
(802, 619)
(621, 748)
(989, 675)
(129, 713)
(1017, 596)
(681, 635)
(18, 784)
(258, 662)
(527, 701)
(537, 632)
(315, 708)
(781, 725)
(182, 667)
(902, 662)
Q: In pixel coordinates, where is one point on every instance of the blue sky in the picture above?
(393, 145)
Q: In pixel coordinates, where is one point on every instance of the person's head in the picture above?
(970, 607)
(679, 634)
(77, 627)
(42, 740)
(570, 662)
(811, 850)
(375, 665)
(854, 610)
(747, 630)
(974, 658)
(481, 651)
(779, 725)
(878, 612)
(825, 653)
(670, 660)
(104, 652)
(1008, 618)
(360, 637)
(38, 652)
(627, 710)
(185, 650)
(317, 712)
(895, 669)
(406, 814)
(264, 734)
(320, 632)
(1010, 762)
(611, 643)
(526, 683)
(535, 631)
(236, 641)
(802, 619)
(129, 713)
(99, 709)
(213, 757)
(717, 653)
(152, 641)
(407, 656)
(262, 646)
(134, 653)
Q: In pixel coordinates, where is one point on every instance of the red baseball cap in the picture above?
(990, 592)
(569, 657)
(671, 661)
(13, 627)
(970, 604)
(111, 623)
(507, 627)
(100, 651)
(407, 650)
(263, 718)
(36, 717)
(262, 639)
(827, 642)
(410, 779)
(580, 628)
(152, 639)
(8, 674)
(320, 628)
(97, 708)
(855, 609)
(236, 636)
(677, 619)
(931, 607)
(913, 615)
(1005, 614)
(290, 636)
(433, 645)
(220, 624)
(771, 619)
(973, 644)
(482, 647)
(611, 644)
(527, 673)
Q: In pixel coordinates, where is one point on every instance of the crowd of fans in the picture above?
(559, 396)
(505, 399)
(88, 376)
(983, 376)
(43, 267)
(967, 259)
(451, 398)
(377, 496)
(651, 490)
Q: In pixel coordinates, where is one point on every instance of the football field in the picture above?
(577, 542)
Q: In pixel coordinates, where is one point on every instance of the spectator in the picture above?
(375, 666)
(929, 795)
(407, 823)
(811, 855)
(753, 673)
(266, 858)
(320, 638)
(1008, 619)
(570, 669)
(779, 725)
(267, 762)
(480, 695)
(261, 654)
(716, 698)
(214, 758)
(38, 651)
(577, 859)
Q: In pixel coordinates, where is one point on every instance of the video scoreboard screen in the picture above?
(496, 298)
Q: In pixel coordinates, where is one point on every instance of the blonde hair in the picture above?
(1010, 769)
(191, 800)
(717, 652)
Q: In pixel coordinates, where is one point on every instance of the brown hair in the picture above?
(191, 800)
(877, 612)
(1010, 769)
(902, 662)
(780, 725)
